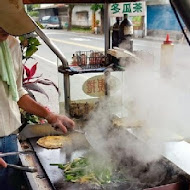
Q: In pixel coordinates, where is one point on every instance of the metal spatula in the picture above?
(89, 140)
(78, 131)
(15, 153)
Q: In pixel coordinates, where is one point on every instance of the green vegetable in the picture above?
(80, 170)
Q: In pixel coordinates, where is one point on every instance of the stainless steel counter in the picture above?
(179, 154)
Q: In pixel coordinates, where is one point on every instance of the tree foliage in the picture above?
(96, 7)
(99, 7)
(31, 10)
(32, 7)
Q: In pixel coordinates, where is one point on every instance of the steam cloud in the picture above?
(162, 105)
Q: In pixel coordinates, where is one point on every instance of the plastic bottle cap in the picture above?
(167, 41)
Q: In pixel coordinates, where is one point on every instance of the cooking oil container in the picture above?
(167, 50)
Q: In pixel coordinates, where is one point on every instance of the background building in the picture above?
(161, 19)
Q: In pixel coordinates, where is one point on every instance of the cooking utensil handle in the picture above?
(23, 168)
(15, 153)
(78, 131)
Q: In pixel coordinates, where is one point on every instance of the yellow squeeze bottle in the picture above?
(167, 49)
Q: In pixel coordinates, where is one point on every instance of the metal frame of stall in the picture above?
(180, 149)
(59, 54)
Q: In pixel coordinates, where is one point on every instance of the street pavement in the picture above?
(70, 42)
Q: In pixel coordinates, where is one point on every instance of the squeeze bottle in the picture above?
(166, 56)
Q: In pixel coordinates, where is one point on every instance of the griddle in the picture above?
(56, 176)
(48, 156)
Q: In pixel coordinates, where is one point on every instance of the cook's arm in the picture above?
(28, 104)
(58, 121)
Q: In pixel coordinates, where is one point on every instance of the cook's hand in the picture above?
(60, 122)
(3, 163)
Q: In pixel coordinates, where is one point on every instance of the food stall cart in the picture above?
(176, 175)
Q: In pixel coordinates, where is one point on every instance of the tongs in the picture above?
(23, 168)
(16, 153)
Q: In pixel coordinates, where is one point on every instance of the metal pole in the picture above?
(67, 92)
(106, 27)
(51, 45)
(107, 44)
(59, 54)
